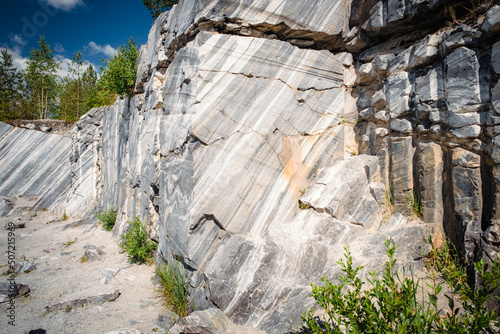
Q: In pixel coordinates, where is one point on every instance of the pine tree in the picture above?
(67, 101)
(156, 7)
(76, 68)
(41, 78)
(10, 83)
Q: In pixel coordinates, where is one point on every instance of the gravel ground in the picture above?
(56, 248)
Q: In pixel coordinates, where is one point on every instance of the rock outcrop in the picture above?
(432, 92)
(35, 164)
(238, 152)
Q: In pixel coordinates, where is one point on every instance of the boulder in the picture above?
(73, 303)
(491, 23)
(11, 290)
(93, 253)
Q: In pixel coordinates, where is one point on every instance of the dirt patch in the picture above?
(49, 253)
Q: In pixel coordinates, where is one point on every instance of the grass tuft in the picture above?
(173, 287)
(414, 204)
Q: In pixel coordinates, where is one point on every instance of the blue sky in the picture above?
(94, 27)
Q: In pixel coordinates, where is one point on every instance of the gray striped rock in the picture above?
(84, 163)
(35, 164)
(317, 23)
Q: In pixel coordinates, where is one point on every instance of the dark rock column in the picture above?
(431, 184)
(402, 152)
(468, 201)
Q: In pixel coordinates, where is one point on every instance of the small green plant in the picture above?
(352, 151)
(83, 259)
(392, 304)
(304, 206)
(388, 210)
(64, 217)
(136, 244)
(107, 218)
(173, 287)
(69, 242)
(414, 203)
(302, 191)
(7, 272)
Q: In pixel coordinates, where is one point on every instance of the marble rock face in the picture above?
(215, 152)
(35, 164)
(255, 150)
(314, 24)
(84, 163)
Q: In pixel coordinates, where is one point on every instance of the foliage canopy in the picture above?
(156, 7)
(119, 73)
(10, 83)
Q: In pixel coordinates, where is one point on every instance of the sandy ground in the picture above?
(60, 275)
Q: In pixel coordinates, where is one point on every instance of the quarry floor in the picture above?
(57, 247)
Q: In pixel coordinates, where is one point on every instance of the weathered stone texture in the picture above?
(402, 151)
(85, 164)
(462, 84)
(431, 183)
(467, 193)
(240, 148)
(35, 164)
(441, 87)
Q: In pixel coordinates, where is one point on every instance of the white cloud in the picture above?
(58, 48)
(66, 5)
(18, 39)
(20, 62)
(107, 49)
(64, 70)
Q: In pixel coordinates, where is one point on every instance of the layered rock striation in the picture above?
(428, 100)
(34, 164)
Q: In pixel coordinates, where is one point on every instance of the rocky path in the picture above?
(68, 294)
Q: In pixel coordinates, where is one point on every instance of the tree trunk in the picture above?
(46, 104)
(40, 104)
(78, 96)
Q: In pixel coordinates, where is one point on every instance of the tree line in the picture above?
(39, 93)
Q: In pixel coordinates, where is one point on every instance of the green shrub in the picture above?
(392, 304)
(136, 244)
(119, 72)
(107, 218)
(173, 287)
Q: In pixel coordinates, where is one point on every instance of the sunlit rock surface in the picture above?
(35, 164)
(256, 147)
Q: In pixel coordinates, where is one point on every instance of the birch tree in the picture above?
(41, 77)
